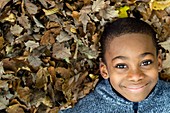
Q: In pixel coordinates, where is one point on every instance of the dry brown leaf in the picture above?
(52, 25)
(109, 12)
(65, 73)
(52, 72)
(58, 84)
(84, 18)
(47, 38)
(3, 3)
(1, 69)
(24, 94)
(62, 37)
(61, 52)
(24, 21)
(87, 2)
(98, 5)
(30, 7)
(75, 15)
(16, 30)
(1, 42)
(38, 23)
(34, 61)
(30, 45)
(41, 78)
(51, 11)
(13, 64)
(15, 109)
(44, 3)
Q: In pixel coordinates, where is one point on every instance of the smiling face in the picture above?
(132, 65)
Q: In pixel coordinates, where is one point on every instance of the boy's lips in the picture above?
(136, 88)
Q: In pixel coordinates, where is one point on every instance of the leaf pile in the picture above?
(49, 49)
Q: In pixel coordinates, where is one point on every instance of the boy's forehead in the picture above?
(131, 36)
(131, 40)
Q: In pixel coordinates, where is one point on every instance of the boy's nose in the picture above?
(135, 75)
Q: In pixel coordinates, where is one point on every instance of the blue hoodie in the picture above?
(105, 100)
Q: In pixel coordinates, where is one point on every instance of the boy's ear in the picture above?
(103, 70)
(159, 62)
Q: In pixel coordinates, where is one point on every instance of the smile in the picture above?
(136, 88)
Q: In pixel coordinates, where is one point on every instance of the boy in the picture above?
(130, 66)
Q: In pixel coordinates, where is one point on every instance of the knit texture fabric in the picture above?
(105, 100)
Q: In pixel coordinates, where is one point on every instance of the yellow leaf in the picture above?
(50, 11)
(123, 11)
(160, 5)
(73, 30)
(93, 77)
(10, 18)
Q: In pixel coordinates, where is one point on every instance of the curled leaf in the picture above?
(159, 4)
(51, 11)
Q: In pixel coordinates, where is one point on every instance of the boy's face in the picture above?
(132, 65)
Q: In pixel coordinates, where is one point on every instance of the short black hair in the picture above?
(123, 26)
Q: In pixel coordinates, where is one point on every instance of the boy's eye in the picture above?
(121, 66)
(146, 63)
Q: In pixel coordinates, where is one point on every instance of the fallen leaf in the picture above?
(15, 109)
(52, 25)
(1, 42)
(16, 30)
(109, 13)
(84, 18)
(123, 11)
(30, 45)
(166, 44)
(24, 21)
(10, 18)
(61, 52)
(159, 4)
(97, 5)
(44, 3)
(91, 54)
(3, 102)
(31, 8)
(63, 36)
(65, 73)
(24, 94)
(166, 62)
(34, 61)
(3, 3)
(48, 37)
(50, 11)
(1, 69)
(38, 22)
(41, 78)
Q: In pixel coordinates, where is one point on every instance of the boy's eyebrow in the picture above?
(146, 53)
(120, 57)
(124, 57)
